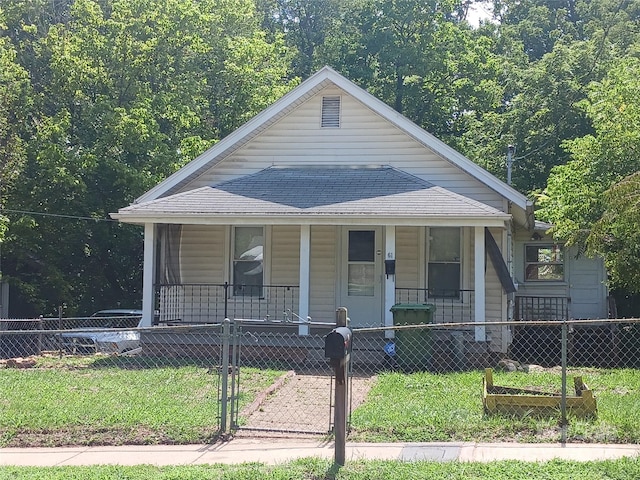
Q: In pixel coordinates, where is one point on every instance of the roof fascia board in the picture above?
(314, 220)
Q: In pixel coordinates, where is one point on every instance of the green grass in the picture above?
(425, 407)
(315, 469)
(102, 400)
(115, 400)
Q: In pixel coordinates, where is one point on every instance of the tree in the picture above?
(304, 25)
(537, 113)
(419, 57)
(15, 104)
(128, 91)
(616, 234)
(392, 42)
(550, 51)
(590, 200)
(538, 25)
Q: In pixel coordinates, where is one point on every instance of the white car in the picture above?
(107, 334)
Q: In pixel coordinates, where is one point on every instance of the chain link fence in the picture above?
(267, 377)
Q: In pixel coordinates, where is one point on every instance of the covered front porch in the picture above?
(366, 269)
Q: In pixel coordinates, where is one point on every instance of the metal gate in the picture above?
(291, 382)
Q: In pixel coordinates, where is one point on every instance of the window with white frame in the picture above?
(444, 274)
(248, 261)
(544, 262)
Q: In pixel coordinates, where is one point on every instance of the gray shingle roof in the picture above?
(275, 191)
(297, 97)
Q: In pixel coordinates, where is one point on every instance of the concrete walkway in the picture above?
(275, 451)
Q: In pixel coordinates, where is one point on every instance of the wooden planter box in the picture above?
(522, 402)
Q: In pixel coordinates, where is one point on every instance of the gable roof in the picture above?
(276, 195)
(324, 77)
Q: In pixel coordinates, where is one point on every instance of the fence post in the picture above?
(226, 299)
(40, 335)
(563, 399)
(341, 396)
(60, 334)
(226, 325)
(235, 374)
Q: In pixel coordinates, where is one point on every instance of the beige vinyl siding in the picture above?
(200, 297)
(280, 294)
(202, 254)
(363, 139)
(584, 281)
(284, 268)
(408, 257)
(324, 272)
(203, 260)
(285, 255)
(448, 310)
(587, 286)
(457, 310)
(495, 298)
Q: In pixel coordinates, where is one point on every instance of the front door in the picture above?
(361, 283)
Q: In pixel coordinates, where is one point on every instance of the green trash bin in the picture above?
(413, 347)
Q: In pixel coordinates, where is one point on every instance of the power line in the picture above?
(58, 215)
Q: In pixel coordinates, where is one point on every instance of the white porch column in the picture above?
(390, 280)
(479, 274)
(305, 269)
(148, 274)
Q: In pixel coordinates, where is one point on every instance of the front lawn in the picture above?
(425, 407)
(115, 400)
(98, 400)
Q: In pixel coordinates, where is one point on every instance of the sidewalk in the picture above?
(275, 451)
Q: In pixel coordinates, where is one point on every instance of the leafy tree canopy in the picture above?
(15, 105)
(101, 99)
(591, 200)
(125, 93)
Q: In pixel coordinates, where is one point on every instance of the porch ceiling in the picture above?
(325, 195)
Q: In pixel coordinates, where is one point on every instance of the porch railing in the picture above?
(212, 303)
(541, 308)
(451, 305)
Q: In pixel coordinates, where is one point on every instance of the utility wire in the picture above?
(57, 215)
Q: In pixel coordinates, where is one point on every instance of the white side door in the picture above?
(587, 288)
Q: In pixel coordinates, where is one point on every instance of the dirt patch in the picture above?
(83, 436)
(301, 403)
(18, 362)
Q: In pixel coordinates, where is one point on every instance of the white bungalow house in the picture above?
(331, 198)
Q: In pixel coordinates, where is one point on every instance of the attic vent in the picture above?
(331, 112)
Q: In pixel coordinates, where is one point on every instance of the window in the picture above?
(248, 261)
(544, 262)
(361, 268)
(330, 112)
(444, 262)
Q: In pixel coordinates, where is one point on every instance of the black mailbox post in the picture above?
(337, 348)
